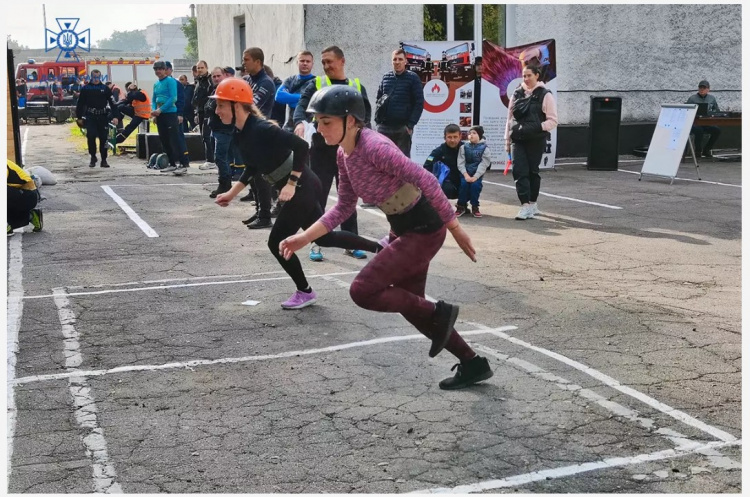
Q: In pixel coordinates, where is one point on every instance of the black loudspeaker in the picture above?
(193, 141)
(604, 133)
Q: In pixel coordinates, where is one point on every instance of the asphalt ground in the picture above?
(137, 365)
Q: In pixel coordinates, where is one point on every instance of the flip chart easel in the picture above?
(668, 143)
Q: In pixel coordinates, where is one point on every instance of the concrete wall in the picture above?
(277, 29)
(366, 33)
(640, 49)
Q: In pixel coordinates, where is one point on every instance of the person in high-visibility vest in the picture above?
(137, 105)
(22, 199)
(322, 156)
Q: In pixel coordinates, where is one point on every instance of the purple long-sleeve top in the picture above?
(374, 171)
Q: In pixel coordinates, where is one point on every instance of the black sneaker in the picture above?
(92, 163)
(223, 188)
(120, 138)
(470, 372)
(247, 198)
(444, 318)
(105, 163)
(250, 219)
(276, 209)
(260, 223)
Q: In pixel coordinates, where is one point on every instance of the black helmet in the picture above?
(160, 64)
(338, 100)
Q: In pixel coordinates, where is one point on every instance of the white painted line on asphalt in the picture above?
(184, 285)
(15, 312)
(677, 438)
(234, 360)
(91, 433)
(558, 163)
(165, 184)
(560, 197)
(166, 280)
(612, 383)
(550, 474)
(143, 225)
(688, 179)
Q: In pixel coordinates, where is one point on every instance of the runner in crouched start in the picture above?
(281, 158)
(371, 167)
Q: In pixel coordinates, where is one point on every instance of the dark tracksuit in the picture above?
(713, 132)
(403, 107)
(202, 91)
(449, 157)
(264, 147)
(188, 118)
(322, 156)
(527, 153)
(180, 104)
(264, 93)
(92, 104)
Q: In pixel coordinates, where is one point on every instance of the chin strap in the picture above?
(345, 130)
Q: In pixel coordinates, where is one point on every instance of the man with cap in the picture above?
(164, 113)
(702, 97)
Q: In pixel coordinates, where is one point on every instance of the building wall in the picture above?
(656, 54)
(366, 33)
(277, 29)
(167, 39)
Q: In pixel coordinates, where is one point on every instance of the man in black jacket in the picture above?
(188, 123)
(200, 97)
(447, 153)
(400, 101)
(95, 108)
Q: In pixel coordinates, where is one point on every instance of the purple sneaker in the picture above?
(300, 299)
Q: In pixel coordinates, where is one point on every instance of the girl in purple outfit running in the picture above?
(371, 167)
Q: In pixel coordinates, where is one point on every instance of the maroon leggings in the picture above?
(394, 281)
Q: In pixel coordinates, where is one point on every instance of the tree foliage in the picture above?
(493, 22)
(190, 29)
(14, 45)
(126, 41)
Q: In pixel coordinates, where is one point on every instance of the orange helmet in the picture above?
(234, 90)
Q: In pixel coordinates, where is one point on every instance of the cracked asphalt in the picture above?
(614, 335)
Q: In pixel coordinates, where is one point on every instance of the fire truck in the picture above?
(457, 63)
(56, 82)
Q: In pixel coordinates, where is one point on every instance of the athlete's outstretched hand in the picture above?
(463, 241)
(223, 199)
(290, 245)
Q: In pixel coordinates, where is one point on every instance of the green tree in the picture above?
(190, 28)
(14, 45)
(126, 41)
(434, 22)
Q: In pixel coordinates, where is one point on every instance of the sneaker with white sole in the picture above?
(300, 299)
(207, 165)
(168, 169)
(535, 209)
(181, 170)
(315, 254)
(524, 213)
(357, 254)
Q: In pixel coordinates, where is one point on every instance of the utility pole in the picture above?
(44, 14)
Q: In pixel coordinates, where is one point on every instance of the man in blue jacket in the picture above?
(164, 113)
(399, 103)
(289, 92)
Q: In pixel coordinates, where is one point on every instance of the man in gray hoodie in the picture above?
(702, 97)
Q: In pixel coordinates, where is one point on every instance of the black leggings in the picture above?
(301, 212)
(323, 164)
(526, 158)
